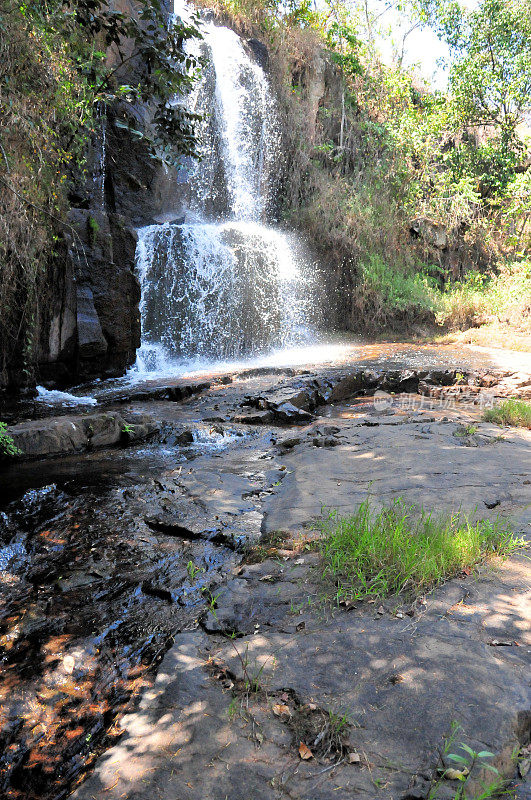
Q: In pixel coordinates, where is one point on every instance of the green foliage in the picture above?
(193, 570)
(93, 226)
(403, 549)
(510, 412)
(8, 449)
(463, 763)
(479, 298)
(86, 29)
(345, 47)
(401, 291)
(490, 78)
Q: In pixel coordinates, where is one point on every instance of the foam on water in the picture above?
(160, 366)
(55, 397)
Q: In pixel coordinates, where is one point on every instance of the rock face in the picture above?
(108, 293)
(89, 323)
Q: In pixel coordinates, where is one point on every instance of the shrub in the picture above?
(478, 298)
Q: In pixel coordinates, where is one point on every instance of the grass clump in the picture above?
(510, 412)
(403, 549)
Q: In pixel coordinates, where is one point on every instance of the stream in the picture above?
(106, 555)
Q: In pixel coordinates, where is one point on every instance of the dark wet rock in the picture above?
(253, 417)
(290, 443)
(77, 580)
(155, 590)
(91, 341)
(289, 414)
(177, 391)
(70, 434)
(103, 430)
(102, 251)
(260, 52)
(185, 529)
(325, 441)
(352, 384)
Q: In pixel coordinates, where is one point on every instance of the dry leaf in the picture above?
(452, 774)
(347, 603)
(311, 706)
(354, 758)
(281, 710)
(305, 752)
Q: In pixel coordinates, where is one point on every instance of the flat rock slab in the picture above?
(401, 682)
(432, 463)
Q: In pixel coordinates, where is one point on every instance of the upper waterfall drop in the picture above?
(224, 283)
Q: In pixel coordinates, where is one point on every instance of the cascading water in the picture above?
(224, 284)
(100, 148)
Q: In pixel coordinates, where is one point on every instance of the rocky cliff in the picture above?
(89, 323)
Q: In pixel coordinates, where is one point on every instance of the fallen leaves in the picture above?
(281, 710)
(354, 758)
(305, 752)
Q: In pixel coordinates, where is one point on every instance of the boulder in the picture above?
(56, 436)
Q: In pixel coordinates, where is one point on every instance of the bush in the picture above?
(479, 299)
(400, 291)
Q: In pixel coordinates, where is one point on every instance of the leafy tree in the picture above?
(154, 51)
(490, 78)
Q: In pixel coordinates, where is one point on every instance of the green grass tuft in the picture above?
(404, 549)
(510, 412)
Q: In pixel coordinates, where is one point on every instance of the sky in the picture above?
(422, 49)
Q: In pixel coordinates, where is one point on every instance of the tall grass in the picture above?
(404, 549)
(401, 290)
(478, 299)
(510, 412)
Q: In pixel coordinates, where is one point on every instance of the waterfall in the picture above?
(100, 148)
(224, 283)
